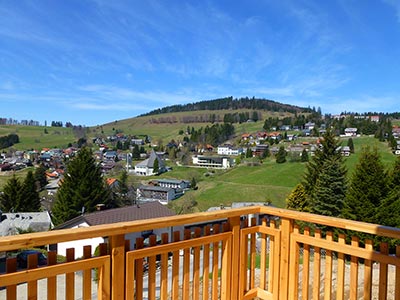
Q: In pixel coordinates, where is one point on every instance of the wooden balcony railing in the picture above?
(250, 253)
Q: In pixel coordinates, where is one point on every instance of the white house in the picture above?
(350, 131)
(217, 162)
(150, 193)
(124, 214)
(146, 167)
(173, 183)
(229, 150)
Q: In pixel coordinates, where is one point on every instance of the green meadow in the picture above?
(38, 137)
(268, 181)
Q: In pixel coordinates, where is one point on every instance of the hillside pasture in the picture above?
(35, 137)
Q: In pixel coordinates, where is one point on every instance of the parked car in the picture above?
(22, 258)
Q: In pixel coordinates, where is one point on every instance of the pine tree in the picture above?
(304, 156)
(327, 150)
(249, 153)
(9, 199)
(136, 152)
(330, 189)
(388, 212)
(40, 176)
(193, 183)
(297, 199)
(350, 144)
(82, 189)
(29, 196)
(156, 166)
(367, 189)
(281, 155)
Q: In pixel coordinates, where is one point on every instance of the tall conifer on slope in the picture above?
(327, 153)
(82, 188)
(367, 189)
(9, 199)
(29, 195)
(330, 189)
(389, 210)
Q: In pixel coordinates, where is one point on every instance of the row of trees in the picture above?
(213, 135)
(23, 196)
(370, 194)
(8, 140)
(232, 103)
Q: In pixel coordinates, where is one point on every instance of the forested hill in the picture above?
(231, 103)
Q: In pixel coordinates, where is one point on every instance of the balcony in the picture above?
(249, 253)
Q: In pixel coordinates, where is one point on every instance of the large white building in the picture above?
(216, 162)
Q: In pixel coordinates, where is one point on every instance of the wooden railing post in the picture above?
(117, 250)
(286, 231)
(234, 223)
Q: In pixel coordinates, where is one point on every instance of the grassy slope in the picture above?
(270, 181)
(34, 137)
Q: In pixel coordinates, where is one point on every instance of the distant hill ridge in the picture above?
(230, 103)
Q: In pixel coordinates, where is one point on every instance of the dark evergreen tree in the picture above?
(281, 155)
(249, 153)
(10, 197)
(350, 144)
(40, 176)
(304, 156)
(156, 166)
(297, 200)
(123, 189)
(389, 211)
(82, 188)
(29, 200)
(136, 152)
(367, 189)
(193, 183)
(330, 189)
(327, 150)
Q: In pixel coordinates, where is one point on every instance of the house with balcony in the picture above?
(173, 183)
(350, 131)
(212, 162)
(151, 193)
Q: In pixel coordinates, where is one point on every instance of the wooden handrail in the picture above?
(8, 243)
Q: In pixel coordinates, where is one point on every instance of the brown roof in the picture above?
(143, 211)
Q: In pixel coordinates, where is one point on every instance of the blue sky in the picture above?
(93, 62)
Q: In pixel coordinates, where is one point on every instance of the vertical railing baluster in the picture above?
(317, 267)
(164, 269)
(368, 272)
(306, 267)
(175, 269)
(383, 273)
(117, 250)
(286, 227)
(206, 266)
(354, 271)
(340, 270)
(234, 223)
